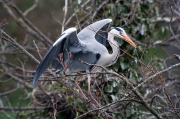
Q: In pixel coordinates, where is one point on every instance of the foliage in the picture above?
(131, 88)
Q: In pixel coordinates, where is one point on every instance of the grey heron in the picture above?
(88, 46)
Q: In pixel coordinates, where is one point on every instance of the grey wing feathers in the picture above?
(91, 30)
(45, 63)
(102, 35)
(60, 46)
(71, 44)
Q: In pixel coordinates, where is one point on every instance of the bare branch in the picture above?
(65, 15)
(31, 8)
(25, 23)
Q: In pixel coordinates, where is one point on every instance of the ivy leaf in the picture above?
(108, 88)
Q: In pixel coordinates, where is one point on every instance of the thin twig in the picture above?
(31, 8)
(22, 109)
(25, 21)
(107, 107)
(65, 15)
(37, 49)
(170, 25)
(132, 88)
(100, 6)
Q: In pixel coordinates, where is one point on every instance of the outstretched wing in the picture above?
(98, 30)
(68, 37)
(77, 44)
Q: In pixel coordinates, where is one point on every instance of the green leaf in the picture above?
(108, 88)
(69, 100)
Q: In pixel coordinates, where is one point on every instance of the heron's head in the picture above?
(119, 32)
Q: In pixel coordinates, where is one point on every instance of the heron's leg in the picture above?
(77, 85)
(94, 100)
(89, 91)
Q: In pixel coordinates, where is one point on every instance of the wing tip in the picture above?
(106, 21)
(64, 34)
(36, 76)
(109, 20)
(34, 81)
(70, 30)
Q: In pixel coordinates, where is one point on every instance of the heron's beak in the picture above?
(127, 39)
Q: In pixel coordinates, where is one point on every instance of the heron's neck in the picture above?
(115, 48)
